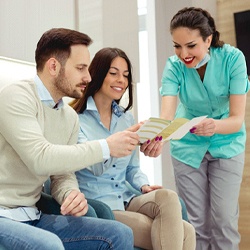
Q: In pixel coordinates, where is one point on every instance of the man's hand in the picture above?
(147, 189)
(123, 143)
(75, 204)
(152, 149)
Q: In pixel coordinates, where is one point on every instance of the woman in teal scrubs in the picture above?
(210, 78)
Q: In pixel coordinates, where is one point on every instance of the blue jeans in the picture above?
(56, 232)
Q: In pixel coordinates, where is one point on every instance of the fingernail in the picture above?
(156, 138)
(160, 138)
(148, 141)
(192, 130)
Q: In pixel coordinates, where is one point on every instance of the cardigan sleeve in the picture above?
(20, 128)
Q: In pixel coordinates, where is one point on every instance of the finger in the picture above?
(134, 128)
(151, 148)
(134, 141)
(80, 210)
(131, 147)
(68, 200)
(144, 145)
(72, 201)
(148, 145)
(71, 208)
(156, 187)
(158, 149)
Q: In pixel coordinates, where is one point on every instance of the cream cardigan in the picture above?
(35, 143)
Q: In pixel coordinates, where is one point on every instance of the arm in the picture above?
(138, 180)
(21, 126)
(232, 124)
(20, 112)
(238, 87)
(170, 84)
(168, 107)
(65, 189)
(134, 176)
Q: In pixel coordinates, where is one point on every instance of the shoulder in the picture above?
(24, 86)
(174, 61)
(227, 52)
(70, 112)
(19, 92)
(173, 66)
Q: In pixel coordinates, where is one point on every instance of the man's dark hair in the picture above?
(57, 43)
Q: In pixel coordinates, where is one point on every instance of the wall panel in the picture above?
(225, 24)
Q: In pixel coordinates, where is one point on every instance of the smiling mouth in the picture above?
(118, 89)
(188, 60)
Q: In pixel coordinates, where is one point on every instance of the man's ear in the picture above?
(53, 66)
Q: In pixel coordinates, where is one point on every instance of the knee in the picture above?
(57, 244)
(224, 217)
(124, 234)
(189, 229)
(123, 230)
(189, 236)
(53, 243)
(167, 196)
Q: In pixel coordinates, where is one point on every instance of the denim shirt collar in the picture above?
(45, 96)
(116, 109)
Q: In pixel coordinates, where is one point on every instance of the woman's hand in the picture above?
(152, 148)
(205, 128)
(146, 188)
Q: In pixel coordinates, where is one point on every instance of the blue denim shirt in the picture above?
(106, 181)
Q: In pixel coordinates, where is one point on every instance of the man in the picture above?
(38, 135)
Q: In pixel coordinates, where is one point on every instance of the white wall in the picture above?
(109, 23)
(22, 22)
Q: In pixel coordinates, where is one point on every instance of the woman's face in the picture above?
(189, 45)
(116, 81)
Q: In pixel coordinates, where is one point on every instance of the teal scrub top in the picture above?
(225, 74)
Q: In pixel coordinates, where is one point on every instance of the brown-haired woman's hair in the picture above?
(197, 18)
(98, 70)
(57, 43)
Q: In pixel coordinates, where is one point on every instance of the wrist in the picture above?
(142, 187)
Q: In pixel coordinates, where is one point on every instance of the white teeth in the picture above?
(188, 59)
(117, 88)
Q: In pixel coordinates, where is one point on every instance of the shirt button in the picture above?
(116, 185)
(114, 166)
(112, 178)
(119, 197)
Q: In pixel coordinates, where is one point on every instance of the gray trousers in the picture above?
(211, 195)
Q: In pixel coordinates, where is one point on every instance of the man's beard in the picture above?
(63, 85)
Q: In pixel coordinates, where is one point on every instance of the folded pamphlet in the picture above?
(169, 130)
